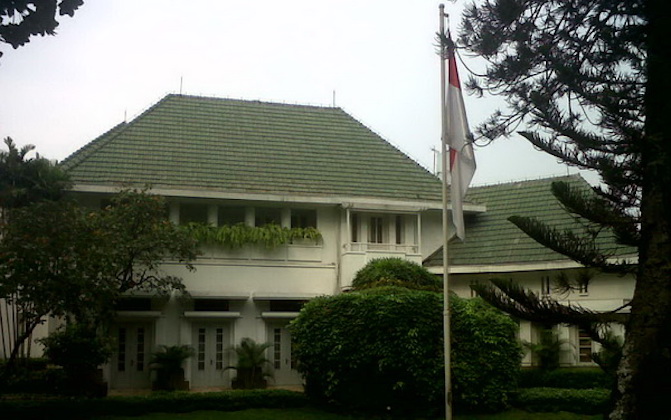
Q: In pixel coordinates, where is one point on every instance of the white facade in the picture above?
(254, 291)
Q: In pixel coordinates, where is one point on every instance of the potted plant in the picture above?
(80, 350)
(167, 362)
(251, 366)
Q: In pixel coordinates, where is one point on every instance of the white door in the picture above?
(210, 344)
(130, 362)
(284, 364)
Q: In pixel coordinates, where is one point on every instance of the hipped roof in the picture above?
(214, 144)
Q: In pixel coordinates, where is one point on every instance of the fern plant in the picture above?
(235, 236)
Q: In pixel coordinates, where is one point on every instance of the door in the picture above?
(130, 362)
(284, 364)
(210, 361)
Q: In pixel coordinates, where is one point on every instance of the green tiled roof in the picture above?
(214, 144)
(491, 239)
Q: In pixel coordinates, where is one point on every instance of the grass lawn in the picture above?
(314, 414)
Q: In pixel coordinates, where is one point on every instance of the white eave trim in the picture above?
(201, 294)
(519, 267)
(344, 201)
(211, 315)
(279, 315)
(138, 314)
(284, 296)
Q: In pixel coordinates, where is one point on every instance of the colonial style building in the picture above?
(227, 162)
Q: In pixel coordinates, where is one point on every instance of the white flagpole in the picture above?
(446, 219)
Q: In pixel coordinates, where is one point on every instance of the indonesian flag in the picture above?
(462, 159)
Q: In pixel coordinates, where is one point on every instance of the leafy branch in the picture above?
(235, 236)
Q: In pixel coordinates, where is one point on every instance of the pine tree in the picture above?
(588, 82)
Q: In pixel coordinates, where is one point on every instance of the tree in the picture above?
(395, 272)
(589, 79)
(22, 19)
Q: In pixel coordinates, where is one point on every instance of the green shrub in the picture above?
(582, 401)
(29, 381)
(575, 378)
(395, 272)
(381, 349)
(159, 402)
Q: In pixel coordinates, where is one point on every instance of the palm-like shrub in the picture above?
(251, 365)
(167, 362)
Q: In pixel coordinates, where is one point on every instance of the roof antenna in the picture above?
(334, 103)
(181, 79)
(125, 118)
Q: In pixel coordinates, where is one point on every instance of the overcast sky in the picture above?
(114, 59)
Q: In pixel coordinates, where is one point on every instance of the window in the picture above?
(229, 216)
(582, 288)
(400, 230)
(546, 287)
(584, 347)
(375, 230)
(210, 305)
(303, 218)
(354, 222)
(133, 304)
(286, 305)
(192, 213)
(268, 216)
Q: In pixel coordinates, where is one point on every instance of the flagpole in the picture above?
(446, 230)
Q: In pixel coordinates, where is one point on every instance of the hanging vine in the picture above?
(235, 236)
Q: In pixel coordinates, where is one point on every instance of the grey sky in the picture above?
(117, 58)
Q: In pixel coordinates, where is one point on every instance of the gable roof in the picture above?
(214, 144)
(493, 240)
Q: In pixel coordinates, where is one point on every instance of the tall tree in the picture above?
(588, 79)
(22, 19)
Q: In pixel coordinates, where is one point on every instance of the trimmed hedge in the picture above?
(581, 401)
(158, 402)
(381, 350)
(575, 378)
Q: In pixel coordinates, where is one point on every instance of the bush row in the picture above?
(159, 402)
(575, 378)
(581, 401)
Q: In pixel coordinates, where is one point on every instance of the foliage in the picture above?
(251, 365)
(235, 236)
(168, 361)
(159, 402)
(590, 80)
(20, 20)
(546, 350)
(25, 180)
(395, 272)
(77, 348)
(43, 381)
(60, 259)
(552, 400)
(381, 349)
(573, 378)
(609, 355)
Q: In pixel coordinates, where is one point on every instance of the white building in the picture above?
(223, 162)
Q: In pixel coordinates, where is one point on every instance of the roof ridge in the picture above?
(257, 101)
(528, 181)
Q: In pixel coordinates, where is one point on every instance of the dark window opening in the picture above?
(211, 305)
(229, 216)
(192, 213)
(301, 218)
(133, 304)
(286, 305)
(268, 216)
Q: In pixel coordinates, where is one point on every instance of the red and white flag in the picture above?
(462, 159)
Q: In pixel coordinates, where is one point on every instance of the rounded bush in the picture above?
(395, 272)
(381, 349)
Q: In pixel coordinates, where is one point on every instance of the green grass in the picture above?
(314, 414)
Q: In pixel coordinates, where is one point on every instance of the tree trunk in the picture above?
(644, 375)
